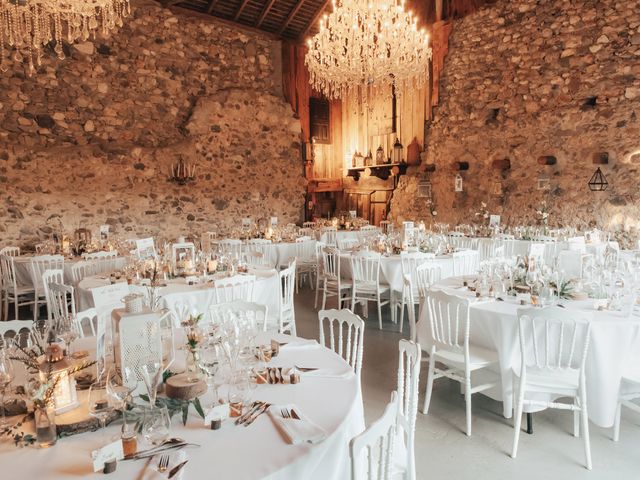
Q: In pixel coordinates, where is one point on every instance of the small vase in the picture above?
(45, 422)
(193, 369)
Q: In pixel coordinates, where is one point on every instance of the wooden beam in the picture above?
(264, 13)
(212, 5)
(438, 10)
(240, 9)
(292, 14)
(314, 20)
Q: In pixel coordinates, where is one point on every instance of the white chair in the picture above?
(19, 295)
(49, 277)
(571, 262)
(386, 227)
(103, 261)
(260, 253)
(256, 259)
(251, 311)
(61, 301)
(629, 391)
(410, 263)
(259, 241)
(307, 232)
(91, 317)
(372, 451)
(489, 249)
(465, 262)
(82, 269)
(309, 224)
(366, 287)
(287, 315)
(332, 283)
(409, 359)
(238, 287)
(17, 328)
(427, 275)
(230, 246)
(450, 329)
(553, 352)
(343, 334)
(329, 236)
(347, 243)
(306, 261)
(108, 298)
(10, 252)
(39, 265)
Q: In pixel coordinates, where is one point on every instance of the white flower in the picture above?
(484, 205)
(434, 213)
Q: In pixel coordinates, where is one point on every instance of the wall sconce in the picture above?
(543, 182)
(424, 189)
(397, 151)
(458, 183)
(598, 182)
(182, 173)
(380, 160)
(64, 395)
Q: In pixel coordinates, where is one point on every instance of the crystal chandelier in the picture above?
(368, 46)
(26, 26)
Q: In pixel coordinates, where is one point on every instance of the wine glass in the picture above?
(6, 376)
(156, 425)
(66, 331)
(152, 376)
(99, 405)
(209, 363)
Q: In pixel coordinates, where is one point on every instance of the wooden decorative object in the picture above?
(461, 166)
(79, 421)
(179, 387)
(413, 152)
(601, 158)
(547, 160)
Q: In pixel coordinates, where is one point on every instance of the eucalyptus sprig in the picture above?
(175, 405)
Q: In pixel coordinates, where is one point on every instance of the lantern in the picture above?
(379, 156)
(598, 182)
(397, 151)
(56, 368)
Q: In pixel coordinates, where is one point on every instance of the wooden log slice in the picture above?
(179, 387)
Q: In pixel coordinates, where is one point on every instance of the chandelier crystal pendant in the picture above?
(368, 47)
(26, 26)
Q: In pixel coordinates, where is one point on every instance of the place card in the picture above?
(109, 452)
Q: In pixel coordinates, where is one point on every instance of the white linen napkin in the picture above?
(175, 458)
(296, 430)
(300, 343)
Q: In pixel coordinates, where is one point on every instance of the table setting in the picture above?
(201, 405)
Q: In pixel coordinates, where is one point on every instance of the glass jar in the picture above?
(45, 423)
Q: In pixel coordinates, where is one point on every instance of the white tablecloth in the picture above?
(23, 269)
(615, 341)
(391, 269)
(233, 452)
(178, 293)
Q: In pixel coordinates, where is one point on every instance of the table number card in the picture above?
(146, 248)
(353, 213)
(274, 222)
(494, 221)
(104, 232)
(106, 453)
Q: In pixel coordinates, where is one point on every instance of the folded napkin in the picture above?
(175, 458)
(299, 343)
(328, 372)
(296, 430)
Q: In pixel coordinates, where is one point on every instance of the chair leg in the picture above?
(616, 423)
(467, 401)
(379, 313)
(402, 304)
(315, 303)
(576, 420)
(324, 295)
(517, 420)
(429, 389)
(585, 428)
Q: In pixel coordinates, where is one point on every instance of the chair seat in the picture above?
(21, 290)
(479, 357)
(564, 381)
(371, 288)
(334, 284)
(631, 379)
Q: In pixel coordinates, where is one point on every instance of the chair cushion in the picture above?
(551, 380)
(479, 357)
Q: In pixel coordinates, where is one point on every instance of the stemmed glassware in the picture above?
(67, 331)
(100, 405)
(209, 363)
(152, 376)
(6, 376)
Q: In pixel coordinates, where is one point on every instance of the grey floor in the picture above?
(443, 451)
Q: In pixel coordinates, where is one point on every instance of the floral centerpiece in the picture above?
(483, 213)
(543, 216)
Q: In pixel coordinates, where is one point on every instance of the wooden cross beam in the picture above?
(314, 19)
(292, 14)
(265, 12)
(240, 9)
(212, 5)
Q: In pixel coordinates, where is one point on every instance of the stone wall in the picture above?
(529, 78)
(92, 138)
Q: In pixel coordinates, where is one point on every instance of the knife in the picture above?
(176, 469)
(260, 411)
(246, 415)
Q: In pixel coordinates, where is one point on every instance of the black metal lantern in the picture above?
(598, 182)
(397, 151)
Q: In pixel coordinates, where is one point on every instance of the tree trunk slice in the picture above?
(179, 387)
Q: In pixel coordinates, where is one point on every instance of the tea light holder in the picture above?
(57, 366)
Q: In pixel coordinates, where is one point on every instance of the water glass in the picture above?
(156, 425)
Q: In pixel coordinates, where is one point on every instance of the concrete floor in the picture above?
(444, 451)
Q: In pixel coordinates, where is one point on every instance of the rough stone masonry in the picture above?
(91, 138)
(531, 78)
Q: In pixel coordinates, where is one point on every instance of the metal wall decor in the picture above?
(598, 182)
(182, 173)
(424, 189)
(458, 183)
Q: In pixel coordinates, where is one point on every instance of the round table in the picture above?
(178, 294)
(255, 452)
(614, 345)
(23, 268)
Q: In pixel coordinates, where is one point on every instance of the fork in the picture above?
(163, 464)
(285, 413)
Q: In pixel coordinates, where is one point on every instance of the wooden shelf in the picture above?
(381, 171)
